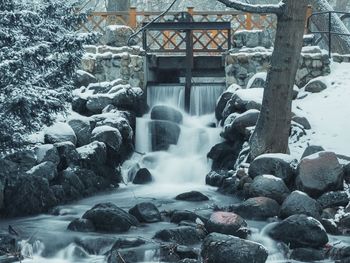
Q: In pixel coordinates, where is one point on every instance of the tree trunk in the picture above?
(272, 130)
(340, 44)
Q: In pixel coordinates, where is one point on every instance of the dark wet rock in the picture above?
(108, 135)
(186, 252)
(47, 152)
(24, 159)
(164, 133)
(224, 155)
(269, 186)
(182, 235)
(221, 104)
(329, 213)
(28, 195)
(193, 196)
(227, 223)
(215, 178)
(143, 176)
(300, 231)
(300, 203)
(8, 245)
(83, 78)
(166, 113)
(344, 222)
(92, 154)
(219, 248)
(79, 105)
(59, 193)
(81, 225)
(82, 127)
(302, 121)
(308, 254)
(178, 216)
(188, 260)
(126, 250)
(92, 182)
(320, 173)
(311, 149)
(107, 217)
(96, 245)
(130, 98)
(333, 199)
(258, 208)
(68, 155)
(315, 86)
(330, 226)
(72, 185)
(97, 102)
(146, 213)
(59, 132)
(46, 170)
(279, 165)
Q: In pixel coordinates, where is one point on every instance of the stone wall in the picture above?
(108, 63)
(242, 64)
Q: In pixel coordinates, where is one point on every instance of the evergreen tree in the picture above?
(40, 50)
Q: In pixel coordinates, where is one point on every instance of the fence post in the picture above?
(308, 15)
(248, 21)
(132, 17)
(190, 10)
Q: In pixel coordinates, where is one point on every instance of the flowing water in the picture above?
(182, 168)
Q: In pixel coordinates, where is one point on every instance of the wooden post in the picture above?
(190, 10)
(132, 17)
(189, 65)
(308, 14)
(248, 21)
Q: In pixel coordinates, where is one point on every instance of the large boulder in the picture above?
(269, 186)
(219, 248)
(108, 135)
(258, 208)
(164, 133)
(18, 161)
(225, 154)
(178, 216)
(279, 165)
(216, 178)
(300, 231)
(82, 127)
(92, 154)
(221, 104)
(227, 223)
(81, 225)
(166, 113)
(320, 173)
(333, 199)
(107, 217)
(311, 149)
(46, 170)
(28, 195)
(117, 35)
(47, 152)
(146, 212)
(68, 155)
(183, 235)
(142, 176)
(315, 86)
(97, 102)
(300, 203)
(59, 132)
(72, 186)
(192, 196)
(83, 78)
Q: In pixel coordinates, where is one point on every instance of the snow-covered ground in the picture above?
(328, 113)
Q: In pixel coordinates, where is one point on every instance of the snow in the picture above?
(280, 156)
(328, 113)
(255, 94)
(259, 75)
(271, 177)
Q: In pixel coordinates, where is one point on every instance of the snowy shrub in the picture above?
(39, 53)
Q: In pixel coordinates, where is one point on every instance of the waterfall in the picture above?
(172, 95)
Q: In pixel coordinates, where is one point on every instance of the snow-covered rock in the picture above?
(315, 86)
(117, 35)
(94, 153)
(257, 81)
(108, 135)
(83, 78)
(47, 152)
(82, 127)
(46, 170)
(59, 132)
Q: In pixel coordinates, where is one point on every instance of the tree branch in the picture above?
(277, 9)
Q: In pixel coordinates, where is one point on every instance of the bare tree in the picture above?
(271, 133)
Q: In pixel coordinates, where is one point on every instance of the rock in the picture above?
(59, 132)
(179, 216)
(300, 203)
(108, 135)
(320, 173)
(193, 196)
(46, 170)
(237, 128)
(311, 149)
(164, 133)
(166, 113)
(224, 155)
(96, 245)
(279, 165)
(27, 196)
(216, 178)
(97, 102)
(257, 81)
(316, 86)
(219, 248)
(182, 235)
(258, 208)
(8, 246)
(300, 231)
(130, 249)
(347, 173)
(18, 161)
(93, 154)
(221, 104)
(330, 226)
(117, 35)
(143, 176)
(83, 78)
(333, 199)
(81, 225)
(68, 155)
(269, 186)
(47, 152)
(130, 98)
(227, 223)
(107, 217)
(302, 121)
(146, 213)
(72, 185)
(82, 127)
(308, 254)
(79, 105)
(94, 182)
